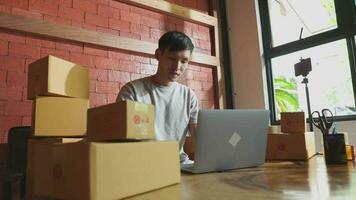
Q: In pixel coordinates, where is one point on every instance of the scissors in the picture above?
(325, 120)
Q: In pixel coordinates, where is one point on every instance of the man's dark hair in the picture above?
(175, 41)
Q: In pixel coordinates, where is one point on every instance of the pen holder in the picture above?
(334, 149)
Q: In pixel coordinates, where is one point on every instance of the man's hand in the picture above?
(189, 145)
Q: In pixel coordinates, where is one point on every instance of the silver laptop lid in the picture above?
(230, 139)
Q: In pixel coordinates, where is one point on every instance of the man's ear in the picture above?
(157, 53)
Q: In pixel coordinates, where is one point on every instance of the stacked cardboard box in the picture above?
(291, 141)
(102, 162)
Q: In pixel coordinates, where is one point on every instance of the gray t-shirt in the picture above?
(176, 107)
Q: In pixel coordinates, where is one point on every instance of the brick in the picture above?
(141, 59)
(24, 50)
(27, 62)
(96, 99)
(2, 78)
(2, 107)
(134, 76)
(82, 59)
(98, 74)
(200, 35)
(156, 33)
(71, 14)
(26, 120)
(11, 93)
(107, 11)
(4, 47)
(86, 5)
(196, 85)
(119, 55)
(107, 30)
(56, 20)
(154, 23)
(12, 37)
(130, 17)
(48, 44)
(206, 45)
(194, 68)
(200, 76)
(140, 29)
(112, 98)
(3, 139)
(54, 52)
(92, 85)
(129, 66)
(207, 104)
(7, 122)
(206, 69)
(148, 69)
(208, 86)
(147, 38)
(44, 7)
(203, 6)
(119, 5)
(119, 25)
(95, 50)
(70, 46)
(106, 63)
(15, 108)
(5, 9)
(202, 95)
(12, 63)
(33, 41)
(15, 3)
(16, 79)
(26, 13)
(104, 2)
(106, 87)
(96, 20)
(119, 76)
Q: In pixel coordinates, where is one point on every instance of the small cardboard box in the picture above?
(59, 116)
(52, 76)
(286, 146)
(102, 170)
(121, 120)
(293, 122)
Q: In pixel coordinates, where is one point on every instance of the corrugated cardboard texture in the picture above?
(59, 116)
(290, 146)
(52, 76)
(121, 120)
(293, 122)
(99, 171)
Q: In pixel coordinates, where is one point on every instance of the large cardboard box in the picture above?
(293, 122)
(37, 150)
(286, 146)
(102, 170)
(52, 76)
(59, 116)
(121, 120)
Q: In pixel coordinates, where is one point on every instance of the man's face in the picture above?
(171, 64)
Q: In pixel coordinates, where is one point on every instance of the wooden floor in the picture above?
(279, 180)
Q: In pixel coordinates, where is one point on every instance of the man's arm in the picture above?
(189, 146)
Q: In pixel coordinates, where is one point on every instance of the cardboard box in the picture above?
(59, 116)
(293, 122)
(37, 150)
(121, 120)
(286, 146)
(102, 170)
(52, 76)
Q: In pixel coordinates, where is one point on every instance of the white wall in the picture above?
(248, 73)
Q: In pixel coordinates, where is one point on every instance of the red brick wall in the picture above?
(109, 69)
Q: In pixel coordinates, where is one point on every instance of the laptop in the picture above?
(229, 139)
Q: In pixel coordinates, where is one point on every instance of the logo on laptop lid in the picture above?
(235, 138)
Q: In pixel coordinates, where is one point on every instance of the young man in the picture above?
(176, 105)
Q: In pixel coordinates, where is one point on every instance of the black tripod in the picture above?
(305, 81)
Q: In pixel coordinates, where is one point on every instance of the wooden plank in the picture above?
(174, 10)
(53, 30)
(220, 92)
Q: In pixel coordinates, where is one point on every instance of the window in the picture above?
(323, 30)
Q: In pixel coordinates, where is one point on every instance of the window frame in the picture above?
(346, 29)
